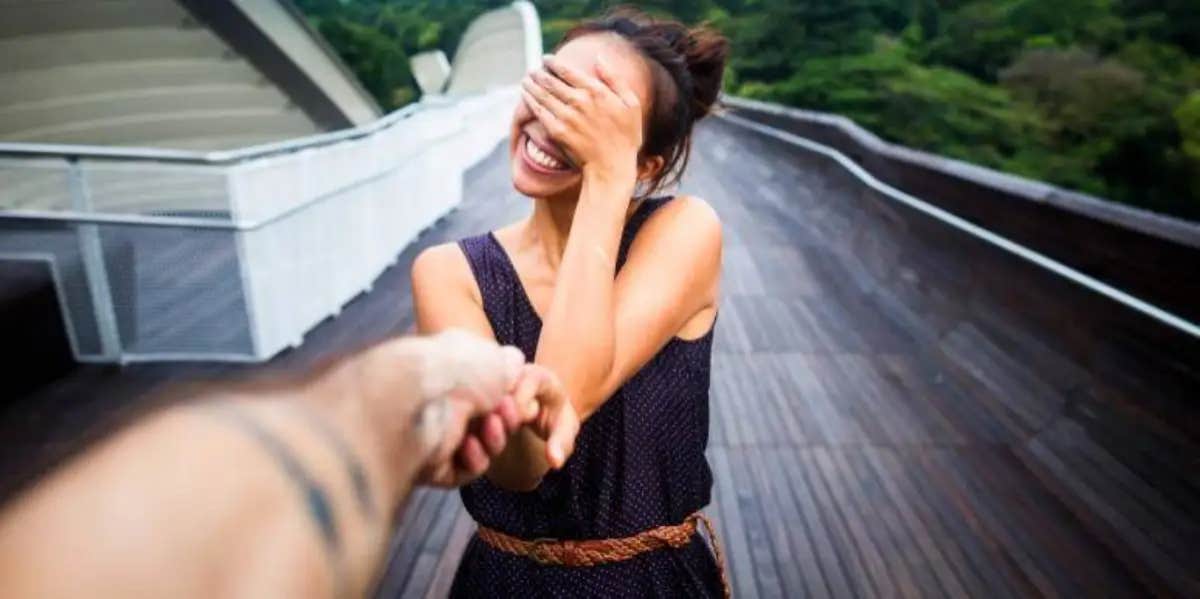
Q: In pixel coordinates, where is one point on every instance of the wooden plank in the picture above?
(994, 519)
(741, 570)
(907, 543)
(753, 397)
(447, 566)
(1141, 542)
(720, 407)
(1053, 526)
(1144, 503)
(836, 422)
(432, 548)
(790, 539)
(956, 574)
(996, 561)
(869, 512)
(791, 471)
(859, 551)
(756, 526)
(1009, 384)
(940, 402)
(410, 539)
(961, 528)
(724, 399)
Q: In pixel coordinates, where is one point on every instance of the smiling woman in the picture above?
(614, 293)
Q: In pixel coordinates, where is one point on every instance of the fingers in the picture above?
(561, 443)
(546, 101)
(570, 96)
(472, 458)
(525, 394)
(570, 75)
(615, 83)
(493, 435)
(510, 417)
(553, 124)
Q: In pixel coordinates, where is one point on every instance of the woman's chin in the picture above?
(535, 186)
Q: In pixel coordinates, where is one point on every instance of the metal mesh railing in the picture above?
(166, 255)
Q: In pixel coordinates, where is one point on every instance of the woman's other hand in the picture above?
(539, 394)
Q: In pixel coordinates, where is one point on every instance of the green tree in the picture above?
(1187, 115)
(1096, 95)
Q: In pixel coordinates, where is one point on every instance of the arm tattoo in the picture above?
(350, 461)
(315, 497)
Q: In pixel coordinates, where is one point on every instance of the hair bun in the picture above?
(705, 51)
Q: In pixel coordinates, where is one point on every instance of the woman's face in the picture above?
(539, 165)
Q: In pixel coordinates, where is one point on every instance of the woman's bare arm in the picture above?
(670, 279)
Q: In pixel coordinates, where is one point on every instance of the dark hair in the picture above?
(686, 66)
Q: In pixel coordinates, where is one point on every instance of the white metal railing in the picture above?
(170, 255)
(161, 254)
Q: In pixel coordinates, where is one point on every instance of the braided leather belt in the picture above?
(594, 552)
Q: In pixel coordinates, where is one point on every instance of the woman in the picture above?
(616, 298)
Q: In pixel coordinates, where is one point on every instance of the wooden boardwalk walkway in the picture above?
(866, 446)
(868, 438)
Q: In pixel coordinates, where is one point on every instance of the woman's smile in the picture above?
(542, 158)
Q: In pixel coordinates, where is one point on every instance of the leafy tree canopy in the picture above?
(1097, 95)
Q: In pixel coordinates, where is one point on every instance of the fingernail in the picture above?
(556, 456)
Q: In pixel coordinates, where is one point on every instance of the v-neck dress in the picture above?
(638, 464)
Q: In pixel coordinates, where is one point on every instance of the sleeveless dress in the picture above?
(638, 463)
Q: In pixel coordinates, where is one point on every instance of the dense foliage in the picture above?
(1102, 96)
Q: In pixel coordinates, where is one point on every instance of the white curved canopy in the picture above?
(497, 49)
(161, 73)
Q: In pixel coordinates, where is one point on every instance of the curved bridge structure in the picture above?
(194, 74)
(919, 388)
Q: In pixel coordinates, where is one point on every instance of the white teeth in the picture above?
(541, 157)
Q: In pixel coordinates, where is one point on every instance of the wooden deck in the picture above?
(868, 438)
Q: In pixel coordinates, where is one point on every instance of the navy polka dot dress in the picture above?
(638, 463)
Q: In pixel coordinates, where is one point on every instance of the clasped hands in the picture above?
(467, 397)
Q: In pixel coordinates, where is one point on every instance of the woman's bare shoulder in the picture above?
(684, 216)
(443, 267)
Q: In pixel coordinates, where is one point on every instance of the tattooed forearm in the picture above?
(316, 499)
(353, 465)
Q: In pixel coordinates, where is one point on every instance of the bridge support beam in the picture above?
(91, 252)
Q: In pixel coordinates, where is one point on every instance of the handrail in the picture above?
(73, 153)
(215, 158)
(1130, 217)
(1041, 260)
